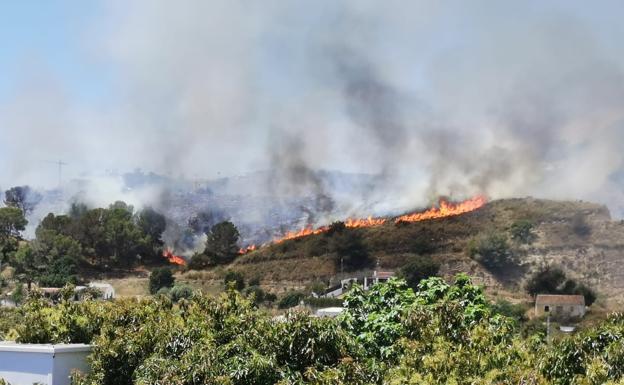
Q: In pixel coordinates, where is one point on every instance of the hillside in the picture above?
(580, 237)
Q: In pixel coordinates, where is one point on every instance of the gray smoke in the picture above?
(432, 97)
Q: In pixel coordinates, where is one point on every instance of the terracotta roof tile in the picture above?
(560, 299)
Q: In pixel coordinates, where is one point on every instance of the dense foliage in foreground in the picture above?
(439, 334)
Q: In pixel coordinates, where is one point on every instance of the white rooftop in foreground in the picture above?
(26, 364)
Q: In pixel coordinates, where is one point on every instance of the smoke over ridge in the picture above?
(432, 97)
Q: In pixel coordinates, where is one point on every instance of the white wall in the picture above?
(25, 364)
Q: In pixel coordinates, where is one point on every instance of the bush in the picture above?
(179, 292)
(511, 310)
(351, 251)
(491, 250)
(320, 302)
(418, 269)
(199, 262)
(291, 299)
(521, 231)
(234, 278)
(160, 278)
(61, 272)
(552, 280)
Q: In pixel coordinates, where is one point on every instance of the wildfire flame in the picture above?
(368, 222)
(172, 258)
(248, 249)
(446, 209)
(302, 233)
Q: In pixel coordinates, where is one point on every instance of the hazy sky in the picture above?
(438, 97)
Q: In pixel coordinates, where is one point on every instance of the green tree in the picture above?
(23, 198)
(153, 224)
(417, 269)
(350, 249)
(547, 280)
(26, 264)
(12, 223)
(159, 278)
(552, 280)
(124, 239)
(50, 246)
(60, 272)
(222, 242)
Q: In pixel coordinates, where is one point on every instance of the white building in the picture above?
(560, 306)
(27, 364)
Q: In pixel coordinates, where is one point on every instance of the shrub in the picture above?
(291, 299)
(491, 250)
(199, 262)
(61, 272)
(234, 278)
(159, 278)
(521, 231)
(552, 280)
(418, 269)
(511, 310)
(320, 302)
(350, 249)
(179, 292)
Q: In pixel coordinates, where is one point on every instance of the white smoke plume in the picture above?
(432, 97)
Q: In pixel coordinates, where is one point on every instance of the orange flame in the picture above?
(248, 249)
(368, 222)
(301, 233)
(172, 258)
(446, 209)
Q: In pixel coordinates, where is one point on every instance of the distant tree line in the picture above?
(96, 238)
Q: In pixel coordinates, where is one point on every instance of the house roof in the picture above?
(384, 274)
(560, 299)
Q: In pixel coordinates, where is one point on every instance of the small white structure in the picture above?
(27, 364)
(559, 305)
(108, 292)
(329, 312)
(378, 277)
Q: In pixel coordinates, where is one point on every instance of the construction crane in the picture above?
(60, 165)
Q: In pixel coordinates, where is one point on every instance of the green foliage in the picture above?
(349, 248)
(417, 269)
(152, 224)
(514, 311)
(199, 262)
(179, 292)
(61, 272)
(291, 299)
(235, 279)
(491, 250)
(159, 278)
(23, 198)
(552, 280)
(321, 302)
(522, 231)
(441, 334)
(12, 223)
(9, 319)
(222, 242)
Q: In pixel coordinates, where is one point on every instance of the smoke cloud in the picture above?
(431, 97)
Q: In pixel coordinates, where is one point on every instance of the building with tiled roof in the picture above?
(560, 305)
